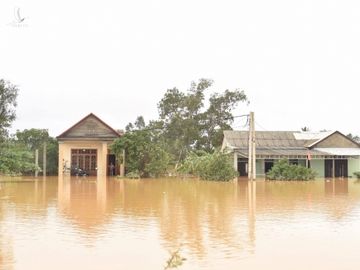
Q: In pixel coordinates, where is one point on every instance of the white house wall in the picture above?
(353, 166)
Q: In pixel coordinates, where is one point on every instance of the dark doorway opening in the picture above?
(111, 165)
(269, 163)
(328, 168)
(243, 166)
(341, 168)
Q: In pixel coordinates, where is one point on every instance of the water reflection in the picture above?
(215, 224)
(88, 203)
(188, 213)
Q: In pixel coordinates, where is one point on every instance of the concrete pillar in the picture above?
(333, 168)
(64, 159)
(102, 160)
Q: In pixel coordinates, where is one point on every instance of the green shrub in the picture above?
(357, 174)
(216, 166)
(282, 170)
(133, 175)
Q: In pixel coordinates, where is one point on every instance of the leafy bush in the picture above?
(216, 166)
(282, 170)
(144, 154)
(357, 174)
(133, 175)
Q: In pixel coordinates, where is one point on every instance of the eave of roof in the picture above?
(340, 151)
(284, 152)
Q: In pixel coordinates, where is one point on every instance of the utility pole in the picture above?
(122, 166)
(36, 162)
(252, 148)
(44, 159)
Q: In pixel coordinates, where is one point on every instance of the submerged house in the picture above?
(85, 145)
(330, 154)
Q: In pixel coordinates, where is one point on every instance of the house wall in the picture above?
(318, 165)
(65, 154)
(260, 168)
(353, 166)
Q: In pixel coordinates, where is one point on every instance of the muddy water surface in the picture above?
(89, 223)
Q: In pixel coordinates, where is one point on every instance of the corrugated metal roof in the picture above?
(272, 139)
(312, 135)
(340, 151)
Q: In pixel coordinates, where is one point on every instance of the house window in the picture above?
(269, 163)
(294, 162)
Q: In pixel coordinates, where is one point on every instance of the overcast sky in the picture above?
(298, 61)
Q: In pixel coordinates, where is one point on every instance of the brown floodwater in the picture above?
(89, 223)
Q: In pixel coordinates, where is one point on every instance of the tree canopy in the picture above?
(32, 139)
(354, 137)
(144, 152)
(187, 122)
(8, 95)
(188, 125)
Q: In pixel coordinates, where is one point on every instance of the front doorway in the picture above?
(243, 166)
(340, 170)
(84, 159)
(111, 165)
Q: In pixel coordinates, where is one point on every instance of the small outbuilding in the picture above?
(85, 147)
(330, 154)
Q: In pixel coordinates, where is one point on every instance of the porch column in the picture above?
(333, 168)
(102, 165)
(64, 159)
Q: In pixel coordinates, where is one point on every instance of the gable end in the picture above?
(336, 140)
(90, 127)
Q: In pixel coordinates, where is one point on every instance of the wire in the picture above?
(256, 123)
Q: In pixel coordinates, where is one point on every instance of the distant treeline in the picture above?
(17, 151)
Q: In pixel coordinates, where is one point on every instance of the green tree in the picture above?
(305, 129)
(187, 125)
(52, 151)
(144, 153)
(8, 95)
(32, 139)
(15, 159)
(353, 137)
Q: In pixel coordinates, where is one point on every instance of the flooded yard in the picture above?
(89, 223)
